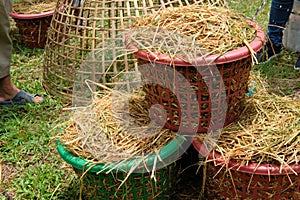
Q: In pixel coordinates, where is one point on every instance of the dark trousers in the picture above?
(279, 15)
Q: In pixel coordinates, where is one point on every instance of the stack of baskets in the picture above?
(81, 27)
(225, 179)
(77, 30)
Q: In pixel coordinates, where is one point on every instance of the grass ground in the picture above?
(30, 167)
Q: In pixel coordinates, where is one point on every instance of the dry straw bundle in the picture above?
(34, 6)
(111, 130)
(216, 29)
(268, 131)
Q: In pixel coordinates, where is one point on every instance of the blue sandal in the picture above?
(21, 98)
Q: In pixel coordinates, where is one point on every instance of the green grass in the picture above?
(31, 167)
(279, 73)
(27, 136)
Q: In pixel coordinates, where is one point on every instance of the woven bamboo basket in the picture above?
(252, 181)
(82, 26)
(100, 182)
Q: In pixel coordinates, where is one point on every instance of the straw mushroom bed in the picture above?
(110, 131)
(268, 131)
(216, 29)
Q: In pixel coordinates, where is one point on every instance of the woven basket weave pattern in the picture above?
(34, 31)
(235, 78)
(136, 186)
(221, 185)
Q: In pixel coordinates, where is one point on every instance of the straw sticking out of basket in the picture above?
(216, 29)
(106, 132)
(33, 7)
(267, 132)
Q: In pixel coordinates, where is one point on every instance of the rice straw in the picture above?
(105, 132)
(217, 30)
(268, 130)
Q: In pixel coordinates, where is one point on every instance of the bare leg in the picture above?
(7, 89)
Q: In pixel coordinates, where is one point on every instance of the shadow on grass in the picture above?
(70, 192)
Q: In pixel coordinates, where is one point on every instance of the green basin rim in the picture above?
(83, 164)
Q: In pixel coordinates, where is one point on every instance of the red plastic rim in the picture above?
(231, 56)
(253, 168)
(31, 16)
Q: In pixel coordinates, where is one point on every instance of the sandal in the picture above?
(21, 98)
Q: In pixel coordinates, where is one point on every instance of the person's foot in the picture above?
(9, 92)
(7, 89)
(268, 52)
(297, 65)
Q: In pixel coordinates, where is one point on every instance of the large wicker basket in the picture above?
(253, 181)
(234, 68)
(82, 26)
(100, 182)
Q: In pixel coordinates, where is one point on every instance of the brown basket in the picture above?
(234, 68)
(232, 184)
(79, 28)
(33, 28)
(235, 77)
(236, 181)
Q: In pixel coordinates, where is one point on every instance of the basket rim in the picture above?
(150, 159)
(31, 16)
(252, 168)
(231, 56)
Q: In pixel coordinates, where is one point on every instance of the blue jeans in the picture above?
(279, 15)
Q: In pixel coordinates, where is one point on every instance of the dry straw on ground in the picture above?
(216, 29)
(268, 130)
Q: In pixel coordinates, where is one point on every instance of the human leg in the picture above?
(8, 91)
(279, 15)
(7, 88)
(5, 40)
